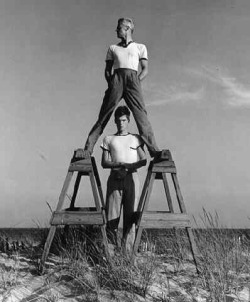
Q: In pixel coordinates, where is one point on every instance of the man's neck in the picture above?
(126, 41)
(122, 133)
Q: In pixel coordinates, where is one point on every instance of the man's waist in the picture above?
(128, 171)
(125, 70)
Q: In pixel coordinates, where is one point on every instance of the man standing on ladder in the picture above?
(122, 153)
(124, 81)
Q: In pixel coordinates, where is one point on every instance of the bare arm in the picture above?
(108, 71)
(144, 69)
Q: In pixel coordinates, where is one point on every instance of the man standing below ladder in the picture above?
(124, 81)
(123, 154)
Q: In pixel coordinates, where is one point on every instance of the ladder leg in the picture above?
(105, 241)
(98, 181)
(193, 246)
(183, 210)
(47, 247)
(53, 228)
(64, 190)
(144, 205)
(137, 240)
(167, 191)
(178, 193)
(144, 192)
(76, 187)
(96, 188)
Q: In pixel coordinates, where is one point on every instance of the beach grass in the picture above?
(162, 271)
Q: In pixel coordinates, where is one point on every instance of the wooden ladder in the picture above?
(78, 216)
(163, 219)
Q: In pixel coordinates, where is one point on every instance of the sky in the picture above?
(197, 93)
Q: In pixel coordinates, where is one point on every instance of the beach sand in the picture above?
(20, 281)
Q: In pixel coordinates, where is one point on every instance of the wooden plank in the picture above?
(98, 181)
(166, 163)
(178, 194)
(84, 165)
(144, 191)
(167, 191)
(95, 191)
(164, 169)
(158, 220)
(47, 248)
(137, 239)
(73, 218)
(64, 190)
(76, 187)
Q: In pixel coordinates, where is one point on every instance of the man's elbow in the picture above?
(145, 71)
(104, 165)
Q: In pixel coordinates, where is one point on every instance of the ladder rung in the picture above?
(79, 217)
(158, 220)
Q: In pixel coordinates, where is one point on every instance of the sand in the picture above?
(20, 281)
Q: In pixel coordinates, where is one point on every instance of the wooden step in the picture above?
(162, 220)
(77, 217)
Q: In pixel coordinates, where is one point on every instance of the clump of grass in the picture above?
(223, 259)
(124, 274)
(81, 265)
(84, 264)
(10, 274)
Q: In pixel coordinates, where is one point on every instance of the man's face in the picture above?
(121, 30)
(122, 123)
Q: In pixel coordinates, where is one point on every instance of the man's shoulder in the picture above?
(139, 44)
(108, 137)
(113, 46)
(134, 43)
(136, 137)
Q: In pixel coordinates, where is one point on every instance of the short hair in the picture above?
(127, 22)
(122, 110)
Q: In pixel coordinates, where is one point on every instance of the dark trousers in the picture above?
(122, 198)
(124, 84)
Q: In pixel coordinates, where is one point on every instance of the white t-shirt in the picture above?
(123, 148)
(127, 57)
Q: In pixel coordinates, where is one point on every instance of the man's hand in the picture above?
(128, 166)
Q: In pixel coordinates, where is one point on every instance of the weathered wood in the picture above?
(83, 165)
(167, 191)
(47, 248)
(137, 238)
(164, 167)
(164, 155)
(64, 190)
(76, 215)
(178, 194)
(144, 191)
(98, 181)
(164, 220)
(76, 187)
(77, 218)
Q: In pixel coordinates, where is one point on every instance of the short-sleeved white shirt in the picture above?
(123, 148)
(127, 57)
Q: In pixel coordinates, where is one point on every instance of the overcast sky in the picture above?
(52, 58)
